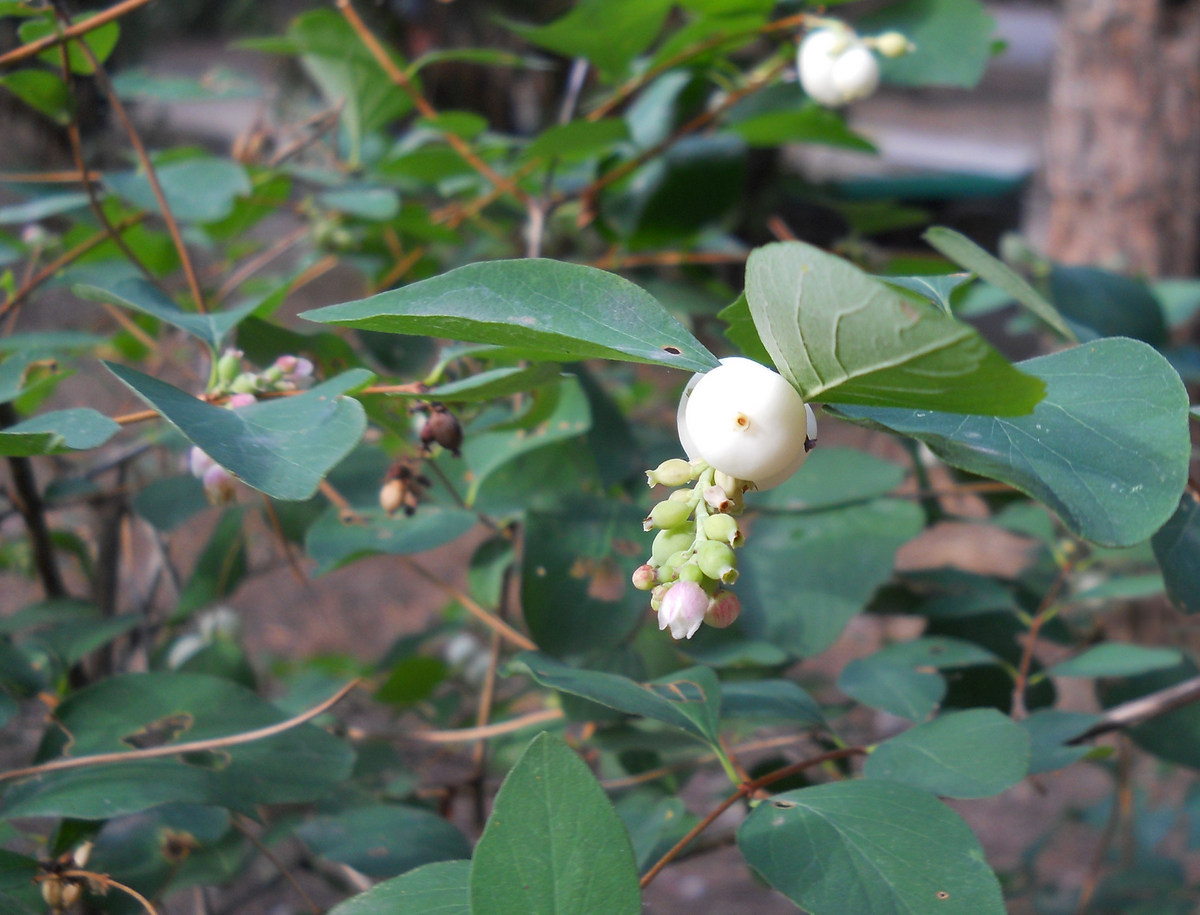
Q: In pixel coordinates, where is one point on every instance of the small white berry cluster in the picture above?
(287, 373)
(743, 427)
(837, 67)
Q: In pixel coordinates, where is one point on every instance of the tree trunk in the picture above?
(1123, 169)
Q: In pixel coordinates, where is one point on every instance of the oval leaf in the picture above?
(976, 753)
(435, 889)
(840, 336)
(554, 310)
(553, 844)
(1111, 467)
(869, 847)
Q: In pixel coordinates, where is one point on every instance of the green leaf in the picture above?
(282, 447)
(953, 41)
(19, 895)
(332, 542)
(801, 584)
(483, 56)
(197, 190)
(867, 846)
(219, 568)
(42, 91)
(1177, 549)
(218, 84)
(976, 753)
(140, 294)
(1049, 733)
(741, 331)
(491, 384)
(553, 844)
(375, 204)
(384, 840)
(1116, 659)
(100, 40)
(1107, 450)
(937, 651)
(838, 335)
(575, 587)
(654, 823)
(804, 122)
(893, 687)
(168, 502)
(42, 208)
(577, 139)
(554, 310)
(937, 289)
(1108, 304)
(131, 710)
(689, 699)
(12, 376)
(609, 33)
(967, 254)
(770, 699)
(76, 429)
(435, 889)
(833, 476)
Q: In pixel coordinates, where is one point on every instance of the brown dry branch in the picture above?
(25, 51)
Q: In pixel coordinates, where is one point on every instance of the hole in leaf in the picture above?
(176, 846)
(942, 894)
(159, 733)
(207, 759)
(673, 350)
(783, 805)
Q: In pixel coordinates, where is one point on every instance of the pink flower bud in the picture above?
(723, 609)
(240, 400)
(644, 577)
(683, 609)
(198, 462)
(219, 485)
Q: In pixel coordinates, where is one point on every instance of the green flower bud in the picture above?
(723, 528)
(670, 541)
(228, 367)
(689, 571)
(893, 44)
(245, 383)
(674, 472)
(717, 561)
(666, 515)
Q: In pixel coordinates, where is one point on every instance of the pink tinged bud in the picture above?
(723, 609)
(240, 400)
(683, 609)
(286, 364)
(644, 577)
(199, 462)
(219, 485)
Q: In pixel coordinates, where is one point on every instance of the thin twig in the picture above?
(135, 140)
(745, 790)
(469, 735)
(28, 501)
(260, 260)
(1122, 801)
(254, 840)
(58, 177)
(195, 746)
(400, 78)
(105, 882)
(26, 51)
(490, 620)
(1035, 627)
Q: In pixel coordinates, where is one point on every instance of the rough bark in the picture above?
(1123, 168)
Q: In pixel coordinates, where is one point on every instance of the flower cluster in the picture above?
(837, 67)
(743, 427)
(287, 373)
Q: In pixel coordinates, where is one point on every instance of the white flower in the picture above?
(836, 67)
(683, 609)
(744, 420)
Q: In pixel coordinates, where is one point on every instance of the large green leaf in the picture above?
(575, 587)
(952, 39)
(770, 699)
(976, 753)
(553, 844)
(137, 710)
(435, 889)
(838, 335)
(1116, 659)
(384, 840)
(1107, 449)
(831, 477)
(553, 310)
(966, 253)
(197, 190)
(609, 33)
(1177, 549)
(1108, 304)
(42, 91)
(100, 41)
(870, 848)
(332, 542)
(283, 447)
(687, 699)
(138, 293)
(75, 429)
(893, 687)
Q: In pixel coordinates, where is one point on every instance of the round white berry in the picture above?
(745, 420)
(836, 67)
(855, 74)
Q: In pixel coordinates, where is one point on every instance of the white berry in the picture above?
(836, 67)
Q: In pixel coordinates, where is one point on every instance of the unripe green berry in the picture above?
(689, 571)
(670, 541)
(245, 383)
(717, 561)
(893, 44)
(228, 367)
(723, 528)
(674, 472)
(667, 514)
